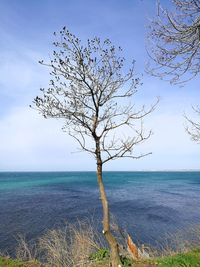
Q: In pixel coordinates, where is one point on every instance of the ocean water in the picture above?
(147, 204)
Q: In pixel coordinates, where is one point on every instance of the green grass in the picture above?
(8, 262)
(191, 259)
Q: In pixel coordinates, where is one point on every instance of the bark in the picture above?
(115, 259)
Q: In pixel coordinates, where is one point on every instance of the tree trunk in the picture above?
(115, 259)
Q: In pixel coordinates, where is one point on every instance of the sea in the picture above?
(148, 205)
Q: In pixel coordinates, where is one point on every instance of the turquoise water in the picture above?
(147, 204)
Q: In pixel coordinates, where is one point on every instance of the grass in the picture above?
(71, 245)
(81, 245)
(8, 262)
(189, 259)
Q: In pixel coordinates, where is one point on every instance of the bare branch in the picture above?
(124, 148)
(174, 42)
(193, 127)
(92, 93)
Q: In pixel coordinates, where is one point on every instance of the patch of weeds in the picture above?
(126, 261)
(100, 255)
(7, 262)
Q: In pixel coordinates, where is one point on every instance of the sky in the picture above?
(31, 143)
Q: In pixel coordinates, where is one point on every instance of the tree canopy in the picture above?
(92, 91)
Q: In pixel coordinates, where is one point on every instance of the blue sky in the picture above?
(29, 142)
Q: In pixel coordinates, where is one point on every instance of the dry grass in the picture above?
(25, 250)
(182, 241)
(71, 245)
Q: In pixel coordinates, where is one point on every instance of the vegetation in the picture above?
(189, 259)
(174, 47)
(174, 43)
(82, 245)
(100, 255)
(92, 92)
(8, 262)
(193, 126)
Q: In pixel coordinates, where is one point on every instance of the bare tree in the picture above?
(174, 46)
(174, 42)
(90, 90)
(193, 126)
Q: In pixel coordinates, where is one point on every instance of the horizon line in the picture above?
(147, 170)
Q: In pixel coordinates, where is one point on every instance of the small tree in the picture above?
(174, 42)
(89, 90)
